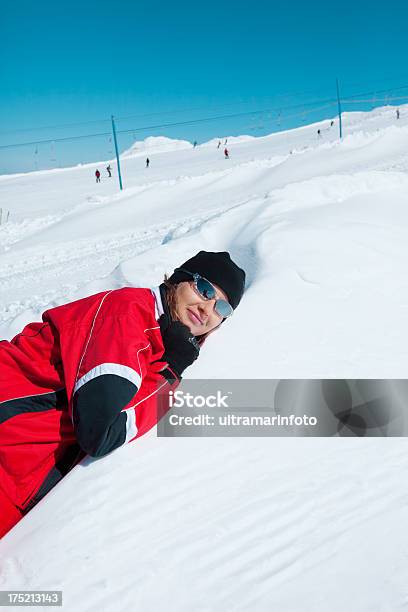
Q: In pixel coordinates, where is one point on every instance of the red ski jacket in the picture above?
(84, 381)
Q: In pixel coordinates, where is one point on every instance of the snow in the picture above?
(240, 523)
(156, 144)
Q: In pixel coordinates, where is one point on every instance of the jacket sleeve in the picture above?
(100, 423)
(110, 372)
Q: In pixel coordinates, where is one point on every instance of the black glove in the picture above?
(181, 348)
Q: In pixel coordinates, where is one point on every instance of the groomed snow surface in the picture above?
(215, 524)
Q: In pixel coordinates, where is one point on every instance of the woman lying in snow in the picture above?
(84, 380)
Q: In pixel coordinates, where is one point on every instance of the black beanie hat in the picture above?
(217, 268)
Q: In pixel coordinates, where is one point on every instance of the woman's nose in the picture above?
(207, 307)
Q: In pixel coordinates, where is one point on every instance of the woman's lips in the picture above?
(194, 318)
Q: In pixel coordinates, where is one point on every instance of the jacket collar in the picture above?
(161, 305)
(158, 302)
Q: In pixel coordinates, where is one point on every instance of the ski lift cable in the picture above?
(144, 128)
(376, 91)
(68, 125)
(119, 118)
(151, 127)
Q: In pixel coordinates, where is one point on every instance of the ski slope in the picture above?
(295, 525)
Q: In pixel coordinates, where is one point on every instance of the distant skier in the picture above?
(226, 153)
(331, 123)
(226, 140)
(147, 162)
(397, 113)
(195, 144)
(98, 176)
(219, 144)
(108, 170)
(318, 133)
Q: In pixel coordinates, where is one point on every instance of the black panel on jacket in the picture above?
(71, 457)
(99, 424)
(55, 400)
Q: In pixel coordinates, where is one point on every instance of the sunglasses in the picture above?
(207, 291)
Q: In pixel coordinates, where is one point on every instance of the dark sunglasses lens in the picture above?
(205, 289)
(223, 308)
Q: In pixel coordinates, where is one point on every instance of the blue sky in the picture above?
(71, 62)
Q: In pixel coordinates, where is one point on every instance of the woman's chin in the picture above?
(195, 329)
(186, 321)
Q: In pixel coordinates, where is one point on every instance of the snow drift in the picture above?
(260, 524)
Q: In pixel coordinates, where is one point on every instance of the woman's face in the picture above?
(196, 312)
